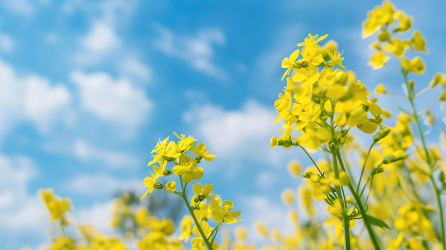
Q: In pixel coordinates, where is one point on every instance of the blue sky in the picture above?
(88, 87)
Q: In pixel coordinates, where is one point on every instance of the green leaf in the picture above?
(376, 222)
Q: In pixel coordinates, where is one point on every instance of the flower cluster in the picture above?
(186, 168)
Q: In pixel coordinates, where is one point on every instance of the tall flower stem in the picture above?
(367, 224)
(191, 211)
(345, 219)
(411, 96)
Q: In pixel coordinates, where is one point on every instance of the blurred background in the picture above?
(87, 88)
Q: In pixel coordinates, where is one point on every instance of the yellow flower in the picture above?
(288, 196)
(160, 150)
(288, 63)
(204, 193)
(336, 59)
(405, 22)
(204, 226)
(397, 47)
(380, 89)
(262, 229)
(201, 151)
(55, 205)
(378, 60)
(438, 78)
(171, 186)
(417, 65)
(62, 243)
(150, 183)
(224, 213)
(186, 226)
(314, 136)
(241, 233)
(188, 169)
(418, 42)
(312, 40)
(294, 168)
(328, 46)
(185, 143)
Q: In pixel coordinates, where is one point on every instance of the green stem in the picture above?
(203, 236)
(312, 160)
(363, 167)
(411, 96)
(216, 232)
(367, 224)
(345, 217)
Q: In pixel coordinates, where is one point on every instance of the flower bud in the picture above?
(396, 156)
(380, 89)
(171, 186)
(284, 143)
(201, 197)
(442, 97)
(383, 132)
(158, 186)
(417, 65)
(384, 36)
(377, 170)
(274, 141)
(438, 78)
(344, 178)
(411, 83)
(167, 172)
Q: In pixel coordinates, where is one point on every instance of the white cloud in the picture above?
(29, 98)
(134, 68)
(238, 133)
(114, 159)
(102, 184)
(112, 100)
(6, 43)
(99, 215)
(18, 210)
(100, 39)
(196, 51)
(21, 7)
(43, 101)
(98, 44)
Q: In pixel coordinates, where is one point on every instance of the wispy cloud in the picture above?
(195, 50)
(114, 159)
(115, 100)
(30, 98)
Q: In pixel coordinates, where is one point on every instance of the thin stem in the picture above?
(216, 232)
(423, 91)
(343, 204)
(367, 224)
(203, 236)
(312, 160)
(363, 167)
(411, 96)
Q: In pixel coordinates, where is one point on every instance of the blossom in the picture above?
(201, 151)
(150, 183)
(314, 136)
(336, 59)
(171, 186)
(418, 42)
(224, 213)
(378, 60)
(55, 205)
(205, 192)
(288, 63)
(160, 150)
(188, 169)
